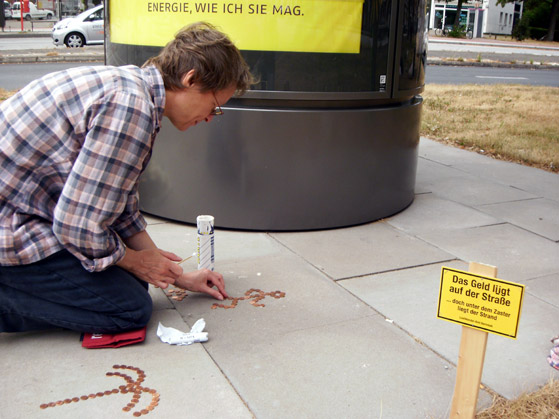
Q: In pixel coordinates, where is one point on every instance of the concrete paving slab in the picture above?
(474, 191)
(44, 367)
(441, 171)
(443, 153)
(545, 288)
(535, 181)
(353, 369)
(518, 254)
(310, 300)
(429, 173)
(540, 216)
(431, 213)
(361, 250)
(511, 366)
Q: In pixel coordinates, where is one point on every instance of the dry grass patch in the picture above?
(5, 94)
(510, 122)
(541, 404)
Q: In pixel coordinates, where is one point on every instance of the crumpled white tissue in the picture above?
(176, 337)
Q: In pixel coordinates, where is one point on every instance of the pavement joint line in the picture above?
(320, 270)
(541, 300)
(221, 370)
(405, 268)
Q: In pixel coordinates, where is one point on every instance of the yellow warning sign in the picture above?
(325, 26)
(484, 303)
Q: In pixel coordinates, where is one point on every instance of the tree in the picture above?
(456, 25)
(553, 20)
(533, 9)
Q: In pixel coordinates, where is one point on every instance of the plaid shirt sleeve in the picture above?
(99, 200)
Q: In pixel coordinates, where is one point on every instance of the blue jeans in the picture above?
(57, 292)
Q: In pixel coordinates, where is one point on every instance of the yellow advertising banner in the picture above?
(484, 303)
(324, 26)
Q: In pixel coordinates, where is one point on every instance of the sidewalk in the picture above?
(356, 334)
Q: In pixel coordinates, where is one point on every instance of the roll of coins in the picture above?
(205, 224)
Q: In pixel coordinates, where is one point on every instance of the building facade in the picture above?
(483, 17)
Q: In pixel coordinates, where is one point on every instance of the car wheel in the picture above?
(74, 40)
(49, 15)
(28, 17)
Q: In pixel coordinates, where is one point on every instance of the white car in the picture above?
(87, 28)
(33, 13)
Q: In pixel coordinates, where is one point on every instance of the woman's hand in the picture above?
(204, 281)
(155, 266)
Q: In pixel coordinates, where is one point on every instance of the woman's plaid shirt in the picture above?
(72, 147)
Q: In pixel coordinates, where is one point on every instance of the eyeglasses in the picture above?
(217, 110)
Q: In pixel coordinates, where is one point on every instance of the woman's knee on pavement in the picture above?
(138, 314)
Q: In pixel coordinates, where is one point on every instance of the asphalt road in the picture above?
(444, 74)
(23, 43)
(16, 76)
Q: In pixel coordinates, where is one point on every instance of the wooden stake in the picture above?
(470, 361)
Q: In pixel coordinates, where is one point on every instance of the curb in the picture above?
(494, 64)
(54, 58)
(25, 34)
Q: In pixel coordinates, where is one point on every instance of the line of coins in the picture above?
(77, 399)
(254, 295)
(132, 386)
(177, 294)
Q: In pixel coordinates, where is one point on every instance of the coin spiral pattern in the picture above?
(253, 294)
(132, 386)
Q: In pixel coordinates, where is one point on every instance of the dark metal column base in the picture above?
(280, 170)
